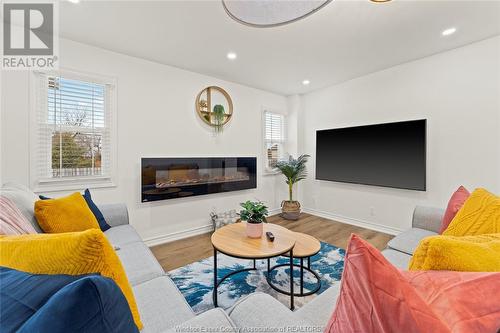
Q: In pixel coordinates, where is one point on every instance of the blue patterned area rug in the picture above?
(195, 281)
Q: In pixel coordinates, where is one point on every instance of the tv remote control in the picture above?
(270, 236)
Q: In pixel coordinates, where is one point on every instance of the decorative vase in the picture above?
(290, 210)
(254, 230)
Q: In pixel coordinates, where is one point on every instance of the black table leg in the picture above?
(254, 265)
(301, 276)
(268, 265)
(292, 305)
(309, 262)
(215, 278)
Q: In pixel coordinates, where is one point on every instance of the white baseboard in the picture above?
(167, 238)
(353, 221)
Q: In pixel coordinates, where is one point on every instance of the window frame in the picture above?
(266, 169)
(39, 184)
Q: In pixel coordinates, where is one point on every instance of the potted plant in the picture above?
(219, 115)
(294, 170)
(254, 213)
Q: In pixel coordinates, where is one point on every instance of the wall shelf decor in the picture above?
(215, 107)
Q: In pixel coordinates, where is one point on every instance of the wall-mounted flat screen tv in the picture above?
(389, 155)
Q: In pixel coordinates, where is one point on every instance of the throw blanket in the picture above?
(12, 221)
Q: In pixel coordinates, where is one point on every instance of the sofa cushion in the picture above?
(398, 259)
(463, 300)
(139, 263)
(214, 320)
(66, 214)
(93, 207)
(24, 199)
(12, 220)
(22, 294)
(73, 253)
(122, 234)
(456, 202)
(89, 304)
(408, 240)
(373, 291)
(467, 254)
(479, 215)
(264, 313)
(161, 305)
(320, 309)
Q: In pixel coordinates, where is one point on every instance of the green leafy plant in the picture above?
(219, 116)
(253, 212)
(294, 171)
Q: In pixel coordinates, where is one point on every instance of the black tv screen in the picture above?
(389, 155)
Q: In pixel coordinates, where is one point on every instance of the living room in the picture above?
(282, 74)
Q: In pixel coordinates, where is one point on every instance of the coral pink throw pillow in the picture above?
(456, 202)
(465, 301)
(376, 298)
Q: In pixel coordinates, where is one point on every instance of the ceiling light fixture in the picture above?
(306, 82)
(270, 13)
(379, 1)
(74, 1)
(449, 31)
(231, 55)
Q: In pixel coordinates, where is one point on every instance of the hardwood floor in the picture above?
(185, 251)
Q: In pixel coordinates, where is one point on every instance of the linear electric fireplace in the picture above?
(170, 178)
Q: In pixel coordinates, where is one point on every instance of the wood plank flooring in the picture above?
(185, 251)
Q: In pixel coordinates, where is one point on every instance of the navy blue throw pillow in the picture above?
(22, 294)
(90, 304)
(97, 213)
(93, 207)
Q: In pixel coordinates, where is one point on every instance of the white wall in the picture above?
(458, 92)
(156, 117)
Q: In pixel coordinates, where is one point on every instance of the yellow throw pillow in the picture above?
(72, 253)
(479, 215)
(66, 214)
(449, 253)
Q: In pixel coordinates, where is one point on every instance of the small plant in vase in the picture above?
(219, 114)
(294, 171)
(254, 213)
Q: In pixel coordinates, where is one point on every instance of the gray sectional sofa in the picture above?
(163, 308)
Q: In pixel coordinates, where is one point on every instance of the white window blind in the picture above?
(74, 128)
(274, 138)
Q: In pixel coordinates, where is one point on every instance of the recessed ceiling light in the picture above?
(231, 56)
(449, 31)
(74, 1)
(306, 82)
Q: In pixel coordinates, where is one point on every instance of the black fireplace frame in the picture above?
(151, 192)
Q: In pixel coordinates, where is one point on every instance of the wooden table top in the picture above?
(233, 241)
(305, 245)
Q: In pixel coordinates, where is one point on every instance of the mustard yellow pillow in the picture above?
(449, 253)
(72, 253)
(479, 215)
(66, 214)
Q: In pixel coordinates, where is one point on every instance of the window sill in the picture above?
(54, 185)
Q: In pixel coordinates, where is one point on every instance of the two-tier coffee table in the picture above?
(231, 240)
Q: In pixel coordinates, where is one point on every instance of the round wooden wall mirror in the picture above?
(214, 106)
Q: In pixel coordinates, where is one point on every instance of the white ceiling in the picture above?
(343, 40)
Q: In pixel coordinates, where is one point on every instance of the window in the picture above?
(73, 134)
(274, 139)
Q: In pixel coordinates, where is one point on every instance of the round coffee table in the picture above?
(305, 247)
(232, 241)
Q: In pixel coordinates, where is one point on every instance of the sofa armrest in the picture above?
(428, 218)
(115, 214)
